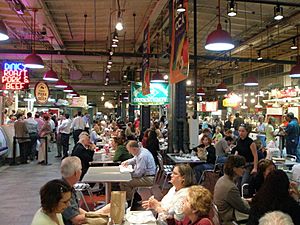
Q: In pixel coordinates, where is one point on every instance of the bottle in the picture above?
(180, 152)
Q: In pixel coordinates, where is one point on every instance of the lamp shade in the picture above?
(50, 75)
(295, 71)
(68, 89)
(157, 77)
(61, 84)
(219, 40)
(3, 32)
(34, 61)
(251, 81)
(221, 87)
(200, 92)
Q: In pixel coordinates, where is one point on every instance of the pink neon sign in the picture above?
(14, 76)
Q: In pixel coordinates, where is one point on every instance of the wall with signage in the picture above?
(159, 94)
(14, 76)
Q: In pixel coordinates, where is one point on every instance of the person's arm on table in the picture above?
(255, 157)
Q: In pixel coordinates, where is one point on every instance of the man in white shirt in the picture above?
(77, 126)
(64, 129)
(32, 127)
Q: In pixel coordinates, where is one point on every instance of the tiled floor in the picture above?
(19, 189)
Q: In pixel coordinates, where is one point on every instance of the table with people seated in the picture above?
(184, 158)
(106, 175)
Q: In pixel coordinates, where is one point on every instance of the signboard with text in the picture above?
(159, 94)
(14, 76)
(41, 92)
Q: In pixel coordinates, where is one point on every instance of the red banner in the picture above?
(145, 74)
(179, 62)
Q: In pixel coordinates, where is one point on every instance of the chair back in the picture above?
(209, 179)
(215, 217)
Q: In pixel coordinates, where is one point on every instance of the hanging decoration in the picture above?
(145, 74)
(179, 63)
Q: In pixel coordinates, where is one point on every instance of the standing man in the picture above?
(64, 129)
(77, 126)
(144, 169)
(237, 123)
(22, 132)
(292, 134)
(32, 127)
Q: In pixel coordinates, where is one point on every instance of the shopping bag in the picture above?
(117, 209)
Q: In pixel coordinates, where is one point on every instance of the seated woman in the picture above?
(121, 153)
(204, 148)
(274, 195)
(226, 194)
(181, 178)
(217, 135)
(95, 134)
(265, 166)
(196, 207)
(55, 196)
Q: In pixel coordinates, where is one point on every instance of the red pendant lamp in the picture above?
(33, 60)
(61, 83)
(295, 71)
(221, 87)
(219, 39)
(50, 75)
(200, 92)
(251, 80)
(3, 32)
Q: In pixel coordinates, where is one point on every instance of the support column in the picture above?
(123, 110)
(145, 117)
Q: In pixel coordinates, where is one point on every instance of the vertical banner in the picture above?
(145, 75)
(179, 62)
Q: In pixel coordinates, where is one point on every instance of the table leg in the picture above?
(107, 192)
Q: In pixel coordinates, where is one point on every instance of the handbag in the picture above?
(93, 218)
(202, 153)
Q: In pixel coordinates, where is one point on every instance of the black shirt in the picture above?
(243, 148)
(211, 154)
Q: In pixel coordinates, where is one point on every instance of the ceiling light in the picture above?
(252, 100)
(221, 87)
(114, 44)
(108, 66)
(180, 8)
(33, 60)
(68, 89)
(231, 8)
(107, 71)
(77, 96)
(157, 77)
(259, 57)
(166, 77)
(295, 71)
(251, 81)
(219, 40)
(50, 75)
(278, 13)
(188, 82)
(294, 46)
(110, 62)
(61, 84)
(73, 93)
(119, 25)
(3, 32)
(200, 92)
(115, 37)
(244, 106)
(110, 52)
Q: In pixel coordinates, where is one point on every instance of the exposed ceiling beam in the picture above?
(281, 3)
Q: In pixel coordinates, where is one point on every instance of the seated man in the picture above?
(222, 148)
(71, 172)
(144, 168)
(84, 150)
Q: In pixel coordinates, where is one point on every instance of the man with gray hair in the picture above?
(71, 171)
(144, 169)
(276, 218)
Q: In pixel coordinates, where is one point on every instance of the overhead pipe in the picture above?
(25, 52)
(292, 4)
(278, 43)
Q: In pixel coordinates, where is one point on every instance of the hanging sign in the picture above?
(41, 92)
(179, 63)
(14, 76)
(145, 75)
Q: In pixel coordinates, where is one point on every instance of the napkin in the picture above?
(140, 217)
(127, 169)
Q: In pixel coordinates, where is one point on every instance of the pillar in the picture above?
(145, 117)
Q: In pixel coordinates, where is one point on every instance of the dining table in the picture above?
(106, 175)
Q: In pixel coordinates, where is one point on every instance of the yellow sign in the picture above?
(41, 92)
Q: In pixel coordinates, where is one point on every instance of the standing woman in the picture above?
(152, 144)
(44, 132)
(55, 198)
(247, 148)
(270, 128)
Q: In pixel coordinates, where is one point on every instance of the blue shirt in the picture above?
(292, 131)
(144, 164)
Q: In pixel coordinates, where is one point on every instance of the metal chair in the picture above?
(291, 157)
(245, 189)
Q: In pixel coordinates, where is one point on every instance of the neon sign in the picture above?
(15, 76)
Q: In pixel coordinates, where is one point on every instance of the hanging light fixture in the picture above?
(180, 7)
(109, 62)
(295, 71)
(119, 25)
(68, 89)
(110, 52)
(258, 105)
(200, 92)
(3, 32)
(259, 57)
(219, 40)
(114, 44)
(221, 87)
(115, 37)
(294, 46)
(157, 77)
(61, 83)
(50, 75)
(33, 60)
(251, 80)
(278, 12)
(108, 66)
(231, 8)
